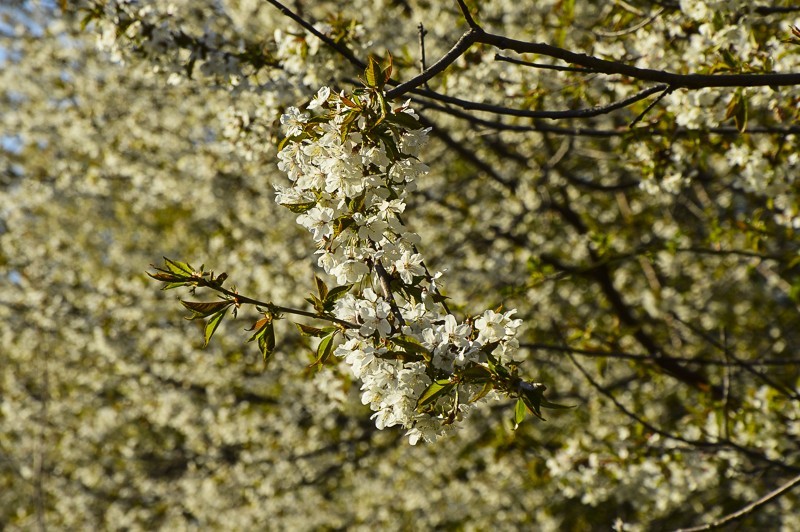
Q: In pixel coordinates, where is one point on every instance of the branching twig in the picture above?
(632, 29)
(552, 115)
(622, 355)
(636, 120)
(422, 33)
(467, 15)
(601, 133)
(721, 443)
(462, 45)
(677, 81)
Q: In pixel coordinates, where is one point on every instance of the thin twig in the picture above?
(422, 33)
(636, 120)
(538, 127)
(467, 15)
(552, 115)
(721, 443)
(769, 10)
(340, 48)
(462, 45)
(499, 57)
(747, 510)
(632, 29)
(726, 386)
(622, 355)
(737, 361)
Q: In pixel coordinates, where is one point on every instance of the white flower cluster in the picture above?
(351, 166)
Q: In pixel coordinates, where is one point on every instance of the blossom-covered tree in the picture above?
(434, 219)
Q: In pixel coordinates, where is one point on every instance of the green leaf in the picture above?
(740, 118)
(410, 344)
(404, 120)
(204, 309)
(299, 208)
(164, 276)
(532, 402)
(266, 341)
(337, 293)
(372, 74)
(730, 60)
(387, 71)
(433, 392)
(341, 224)
(520, 409)
(265, 336)
(212, 324)
(178, 267)
(170, 286)
(350, 103)
(391, 146)
(533, 396)
(476, 374)
(399, 355)
(488, 387)
(384, 109)
(737, 109)
(296, 138)
(544, 403)
(322, 288)
(349, 120)
(324, 349)
(319, 306)
(308, 330)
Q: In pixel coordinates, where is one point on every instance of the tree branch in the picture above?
(721, 443)
(675, 81)
(341, 49)
(641, 357)
(552, 115)
(747, 510)
(602, 133)
(462, 45)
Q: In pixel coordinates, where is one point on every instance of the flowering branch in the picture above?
(352, 164)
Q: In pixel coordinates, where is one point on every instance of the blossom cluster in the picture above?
(352, 164)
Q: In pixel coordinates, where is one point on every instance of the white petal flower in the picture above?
(408, 265)
(294, 121)
(321, 98)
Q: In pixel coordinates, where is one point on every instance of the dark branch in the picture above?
(462, 45)
(341, 49)
(722, 443)
(641, 357)
(559, 68)
(677, 81)
(602, 133)
(750, 508)
(552, 115)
